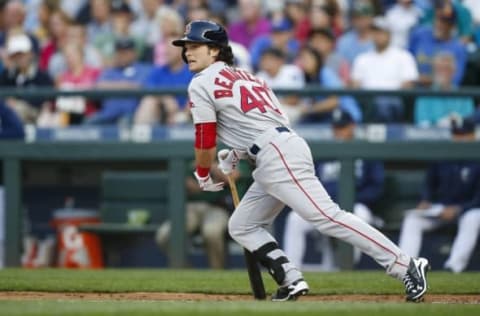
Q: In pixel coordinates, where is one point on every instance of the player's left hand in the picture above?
(207, 184)
(228, 160)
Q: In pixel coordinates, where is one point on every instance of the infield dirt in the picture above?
(163, 296)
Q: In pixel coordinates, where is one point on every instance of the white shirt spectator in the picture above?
(401, 20)
(242, 56)
(389, 69)
(288, 77)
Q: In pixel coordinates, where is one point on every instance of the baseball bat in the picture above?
(254, 274)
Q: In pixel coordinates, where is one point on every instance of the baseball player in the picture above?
(451, 193)
(242, 112)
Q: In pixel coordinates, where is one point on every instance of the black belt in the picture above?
(255, 149)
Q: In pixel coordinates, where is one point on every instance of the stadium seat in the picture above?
(402, 191)
(124, 192)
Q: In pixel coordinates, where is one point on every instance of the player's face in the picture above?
(199, 56)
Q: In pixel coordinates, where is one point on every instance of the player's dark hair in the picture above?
(226, 55)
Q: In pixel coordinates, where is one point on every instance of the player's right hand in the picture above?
(228, 160)
(207, 184)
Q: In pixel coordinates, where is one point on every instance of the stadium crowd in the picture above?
(125, 44)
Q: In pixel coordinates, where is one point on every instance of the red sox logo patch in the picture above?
(188, 28)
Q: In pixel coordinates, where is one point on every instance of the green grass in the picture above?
(147, 308)
(224, 282)
(230, 281)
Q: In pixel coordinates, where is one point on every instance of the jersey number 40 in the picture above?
(256, 97)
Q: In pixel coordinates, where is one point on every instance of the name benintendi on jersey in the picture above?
(239, 101)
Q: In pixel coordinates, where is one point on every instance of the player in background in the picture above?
(451, 194)
(243, 113)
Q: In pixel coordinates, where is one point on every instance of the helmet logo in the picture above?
(188, 28)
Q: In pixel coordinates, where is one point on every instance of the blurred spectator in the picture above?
(402, 17)
(45, 10)
(78, 76)
(438, 110)
(327, 14)
(146, 24)
(166, 109)
(463, 23)
(451, 194)
(98, 21)
(72, 8)
(427, 41)
(75, 34)
(252, 23)
(358, 40)
(10, 128)
(278, 73)
(319, 109)
(281, 38)
(297, 12)
(126, 74)
(241, 54)
(369, 179)
(22, 71)
(168, 23)
(121, 17)
(323, 41)
(58, 27)
(386, 67)
(197, 10)
(13, 23)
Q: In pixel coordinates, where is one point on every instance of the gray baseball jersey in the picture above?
(241, 104)
(248, 116)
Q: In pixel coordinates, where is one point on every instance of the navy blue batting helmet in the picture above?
(203, 31)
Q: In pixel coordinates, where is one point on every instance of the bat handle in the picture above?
(233, 189)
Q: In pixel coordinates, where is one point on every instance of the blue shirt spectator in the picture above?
(281, 37)
(114, 108)
(350, 46)
(463, 21)
(126, 74)
(329, 79)
(165, 76)
(427, 41)
(10, 125)
(317, 73)
(358, 39)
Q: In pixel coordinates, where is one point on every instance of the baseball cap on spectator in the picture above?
(282, 25)
(341, 118)
(462, 126)
(381, 24)
(19, 43)
(362, 8)
(120, 6)
(124, 43)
